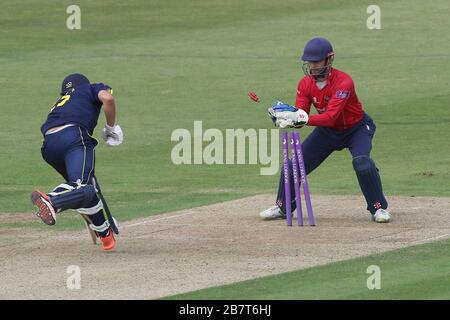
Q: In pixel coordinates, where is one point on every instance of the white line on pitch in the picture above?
(153, 220)
(431, 239)
(167, 218)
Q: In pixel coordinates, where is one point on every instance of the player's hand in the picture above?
(291, 119)
(284, 115)
(113, 136)
(277, 108)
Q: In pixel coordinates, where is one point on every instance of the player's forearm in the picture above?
(321, 120)
(109, 107)
(306, 108)
(329, 117)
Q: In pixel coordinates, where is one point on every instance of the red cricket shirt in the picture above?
(337, 103)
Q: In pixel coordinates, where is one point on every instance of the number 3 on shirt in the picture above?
(61, 101)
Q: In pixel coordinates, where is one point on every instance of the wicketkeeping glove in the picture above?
(279, 106)
(292, 119)
(284, 115)
(113, 136)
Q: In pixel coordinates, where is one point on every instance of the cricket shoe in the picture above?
(381, 216)
(108, 241)
(45, 208)
(272, 213)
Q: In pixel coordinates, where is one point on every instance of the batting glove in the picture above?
(113, 136)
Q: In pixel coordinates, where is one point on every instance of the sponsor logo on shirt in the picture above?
(342, 94)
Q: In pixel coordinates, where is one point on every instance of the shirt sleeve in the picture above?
(335, 106)
(97, 87)
(302, 99)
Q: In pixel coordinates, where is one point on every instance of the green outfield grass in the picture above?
(419, 272)
(173, 62)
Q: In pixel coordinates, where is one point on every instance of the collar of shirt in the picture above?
(323, 84)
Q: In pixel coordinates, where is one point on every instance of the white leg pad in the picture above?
(101, 228)
(92, 210)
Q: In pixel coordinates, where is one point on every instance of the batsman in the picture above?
(70, 149)
(340, 124)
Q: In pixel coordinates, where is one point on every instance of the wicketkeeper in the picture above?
(340, 124)
(70, 149)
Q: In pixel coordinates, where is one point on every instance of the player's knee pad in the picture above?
(74, 195)
(363, 165)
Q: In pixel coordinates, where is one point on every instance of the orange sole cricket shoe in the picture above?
(45, 208)
(108, 242)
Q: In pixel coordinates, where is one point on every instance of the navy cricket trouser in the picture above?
(71, 152)
(358, 139)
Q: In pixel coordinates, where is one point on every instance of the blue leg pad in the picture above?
(370, 183)
(73, 196)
